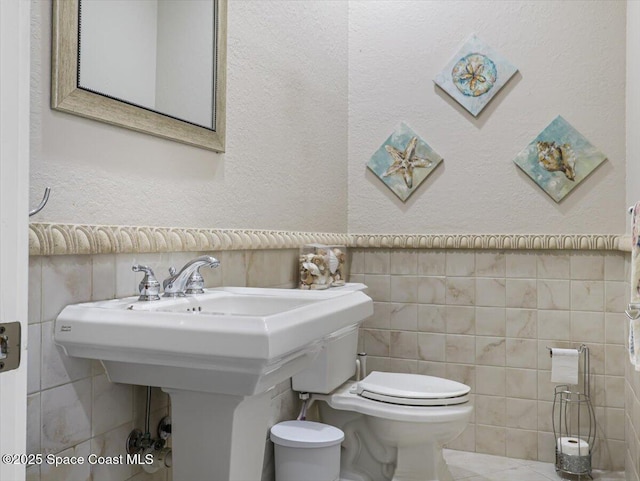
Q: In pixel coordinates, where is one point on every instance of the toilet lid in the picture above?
(412, 389)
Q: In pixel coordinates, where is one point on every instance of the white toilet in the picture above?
(395, 424)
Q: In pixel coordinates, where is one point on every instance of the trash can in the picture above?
(306, 451)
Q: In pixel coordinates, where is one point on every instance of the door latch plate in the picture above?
(9, 346)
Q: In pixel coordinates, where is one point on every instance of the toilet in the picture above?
(395, 424)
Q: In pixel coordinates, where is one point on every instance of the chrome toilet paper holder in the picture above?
(573, 416)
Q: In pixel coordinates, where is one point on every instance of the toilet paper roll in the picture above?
(564, 366)
(573, 446)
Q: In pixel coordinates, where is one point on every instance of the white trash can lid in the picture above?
(305, 434)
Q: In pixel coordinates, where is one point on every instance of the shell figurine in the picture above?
(557, 158)
(337, 259)
(314, 272)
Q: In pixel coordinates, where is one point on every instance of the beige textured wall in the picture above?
(571, 60)
(286, 135)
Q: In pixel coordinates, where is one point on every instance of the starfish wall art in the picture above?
(474, 75)
(403, 161)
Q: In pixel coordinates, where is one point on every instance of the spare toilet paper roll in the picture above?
(564, 366)
(573, 446)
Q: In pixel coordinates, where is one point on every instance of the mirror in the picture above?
(155, 66)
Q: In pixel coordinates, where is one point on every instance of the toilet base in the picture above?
(422, 462)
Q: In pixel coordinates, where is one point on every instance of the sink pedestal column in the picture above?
(218, 437)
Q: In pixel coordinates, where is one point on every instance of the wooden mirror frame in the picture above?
(66, 96)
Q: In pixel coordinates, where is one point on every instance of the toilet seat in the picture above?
(412, 389)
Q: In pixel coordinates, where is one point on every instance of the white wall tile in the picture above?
(587, 265)
(111, 444)
(431, 263)
(460, 319)
(404, 317)
(33, 424)
(490, 351)
(376, 342)
(522, 353)
(521, 264)
(103, 277)
(432, 318)
(490, 321)
(57, 368)
(432, 290)
(404, 289)
(587, 326)
(461, 291)
(404, 262)
(381, 318)
(521, 293)
(65, 280)
(431, 346)
(34, 349)
(490, 264)
(35, 289)
(403, 345)
(522, 323)
(377, 261)
(490, 292)
(379, 287)
(460, 263)
(69, 472)
(490, 410)
(522, 413)
(66, 416)
(554, 294)
(460, 349)
(587, 295)
(112, 404)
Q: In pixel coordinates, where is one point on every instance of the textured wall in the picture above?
(286, 135)
(571, 60)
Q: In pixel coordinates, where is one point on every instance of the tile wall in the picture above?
(485, 318)
(72, 408)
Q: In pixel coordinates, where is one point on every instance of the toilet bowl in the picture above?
(396, 425)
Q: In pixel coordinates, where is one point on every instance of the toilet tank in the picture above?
(335, 363)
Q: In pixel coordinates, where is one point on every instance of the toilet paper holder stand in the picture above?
(573, 416)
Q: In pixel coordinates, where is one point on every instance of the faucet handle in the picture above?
(149, 286)
(195, 283)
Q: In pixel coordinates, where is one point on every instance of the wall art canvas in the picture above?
(559, 158)
(474, 75)
(404, 161)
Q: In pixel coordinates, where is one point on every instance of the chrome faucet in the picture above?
(188, 279)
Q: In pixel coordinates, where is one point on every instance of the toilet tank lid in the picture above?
(305, 434)
(412, 386)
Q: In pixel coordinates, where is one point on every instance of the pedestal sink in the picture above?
(217, 355)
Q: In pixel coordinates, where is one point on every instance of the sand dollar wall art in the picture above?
(559, 158)
(474, 75)
(404, 161)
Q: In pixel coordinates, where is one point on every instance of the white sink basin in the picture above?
(217, 355)
(230, 340)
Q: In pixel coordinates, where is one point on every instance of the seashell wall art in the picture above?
(474, 75)
(559, 158)
(404, 161)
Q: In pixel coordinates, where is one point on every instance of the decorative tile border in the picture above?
(60, 239)
(489, 241)
(72, 239)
